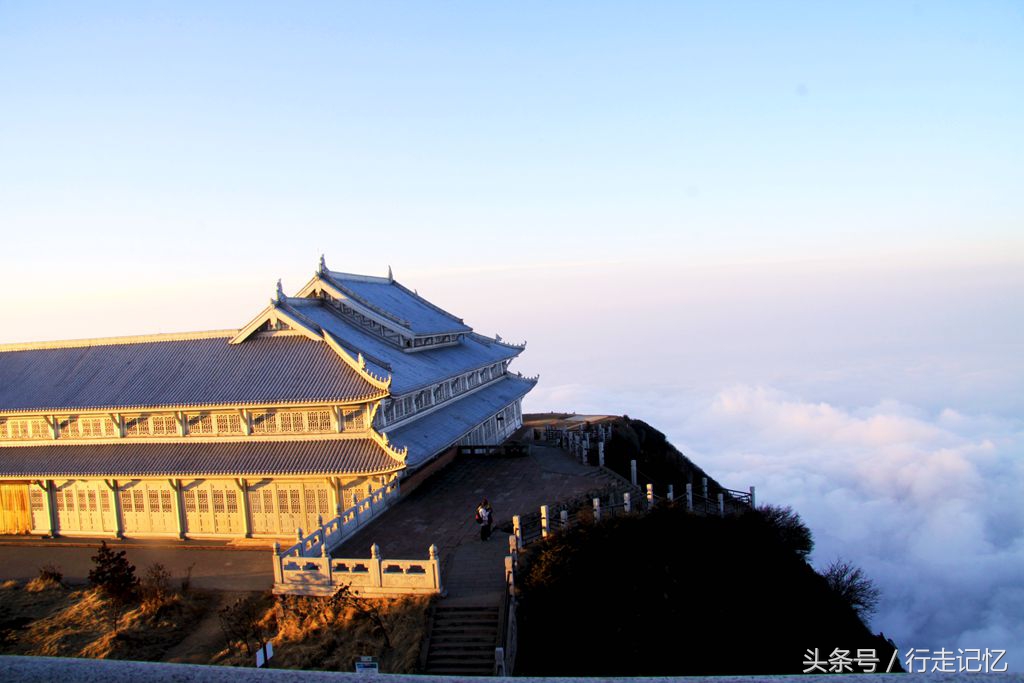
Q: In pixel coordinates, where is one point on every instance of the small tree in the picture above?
(790, 529)
(242, 622)
(115, 576)
(155, 587)
(851, 584)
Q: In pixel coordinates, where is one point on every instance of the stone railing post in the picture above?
(600, 453)
(544, 523)
(278, 572)
(597, 509)
(517, 529)
(436, 562)
(632, 471)
(626, 504)
(513, 544)
(376, 566)
(689, 497)
(752, 505)
(564, 517)
(671, 494)
(326, 556)
(650, 494)
(721, 505)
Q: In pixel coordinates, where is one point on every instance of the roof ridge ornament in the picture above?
(323, 265)
(280, 291)
(391, 276)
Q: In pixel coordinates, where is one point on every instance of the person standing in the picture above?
(485, 518)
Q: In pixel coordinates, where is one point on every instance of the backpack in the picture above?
(479, 519)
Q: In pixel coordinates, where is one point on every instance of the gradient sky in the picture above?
(791, 235)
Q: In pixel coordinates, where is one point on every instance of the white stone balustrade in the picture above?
(373, 577)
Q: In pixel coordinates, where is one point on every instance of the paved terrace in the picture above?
(441, 511)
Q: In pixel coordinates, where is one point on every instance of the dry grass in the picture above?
(314, 633)
(47, 619)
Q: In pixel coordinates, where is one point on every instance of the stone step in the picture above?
(452, 662)
(460, 650)
(464, 637)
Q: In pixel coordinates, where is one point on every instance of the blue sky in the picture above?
(791, 235)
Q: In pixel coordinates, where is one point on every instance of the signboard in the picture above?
(264, 654)
(367, 665)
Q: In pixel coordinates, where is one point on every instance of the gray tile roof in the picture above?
(431, 434)
(397, 301)
(198, 459)
(410, 371)
(286, 369)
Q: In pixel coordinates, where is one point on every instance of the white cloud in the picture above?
(930, 506)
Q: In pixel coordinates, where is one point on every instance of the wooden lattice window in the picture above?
(104, 502)
(164, 425)
(254, 502)
(126, 501)
(310, 501)
(290, 422)
(140, 500)
(321, 499)
(264, 423)
(190, 501)
(354, 419)
(204, 501)
(282, 502)
(165, 500)
(200, 425)
(228, 423)
(154, 500)
(69, 428)
(137, 426)
(232, 502)
(35, 499)
(319, 420)
(218, 501)
(94, 427)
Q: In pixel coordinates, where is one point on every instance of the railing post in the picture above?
(377, 565)
(597, 509)
(436, 563)
(518, 531)
(632, 471)
(650, 495)
(600, 453)
(513, 544)
(704, 486)
(327, 560)
(752, 505)
(671, 494)
(689, 497)
(544, 523)
(721, 504)
(627, 506)
(564, 517)
(278, 571)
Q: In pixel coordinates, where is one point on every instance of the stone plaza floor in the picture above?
(441, 511)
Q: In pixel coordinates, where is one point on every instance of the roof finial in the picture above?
(323, 265)
(280, 291)
(391, 277)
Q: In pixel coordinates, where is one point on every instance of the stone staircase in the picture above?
(462, 640)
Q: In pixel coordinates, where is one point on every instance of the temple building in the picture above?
(322, 398)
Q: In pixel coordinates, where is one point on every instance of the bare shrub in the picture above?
(243, 624)
(156, 588)
(850, 583)
(790, 529)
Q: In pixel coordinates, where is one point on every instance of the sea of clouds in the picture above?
(883, 404)
(928, 504)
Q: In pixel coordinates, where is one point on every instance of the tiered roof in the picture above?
(202, 459)
(177, 370)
